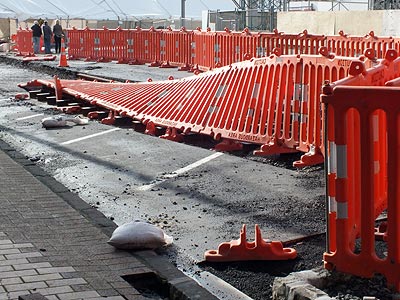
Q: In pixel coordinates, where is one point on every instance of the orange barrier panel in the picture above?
(361, 183)
(204, 49)
(177, 50)
(355, 46)
(23, 42)
(289, 44)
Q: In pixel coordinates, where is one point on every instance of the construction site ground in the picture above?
(199, 197)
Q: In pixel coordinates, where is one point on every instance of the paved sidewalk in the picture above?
(54, 244)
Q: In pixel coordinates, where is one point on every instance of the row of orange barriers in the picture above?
(204, 50)
(275, 102)
(362, 137)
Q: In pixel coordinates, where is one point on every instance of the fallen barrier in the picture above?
(272, 102)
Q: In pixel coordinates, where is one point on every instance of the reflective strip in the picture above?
(81, 40)
(341, 212)
(213, 109)
(130, 50)
(162, 43)
(150, 103)
(375, 128)
(341, 161)
(113, 41)
(220, 91)
(163, 93)
(304, 92)
(297, 91)
(250, 112)
(117, 88)
(97, 41)
(295, 116)
(103, 93)
(332, 158)
(256, 89)
(193, 45)
(216, 48)
(176, 44)
(146, 43)
(130, 42)
(179, 106)
(332, 204)
(303, 118)
(376, 167)
(237, 49)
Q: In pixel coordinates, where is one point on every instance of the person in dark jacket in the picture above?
(58, 34)
(36, 34)
(47, 34)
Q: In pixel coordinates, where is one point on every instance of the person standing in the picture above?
(58, 34)
(36, 34)
(47, 34)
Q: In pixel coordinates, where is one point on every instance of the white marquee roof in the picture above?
(107, 9)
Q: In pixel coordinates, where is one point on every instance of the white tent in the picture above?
(108, 9)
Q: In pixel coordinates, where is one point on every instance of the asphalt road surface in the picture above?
(199, 197)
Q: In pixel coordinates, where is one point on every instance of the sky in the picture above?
(108, 9)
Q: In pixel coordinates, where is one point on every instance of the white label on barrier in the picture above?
(220, 91)
(163, 93)
(190, 93)
(256, 90)
(250, 112)
(341, 161)
(332, 204)
(304, 89)
(332, 158)
(341, 210)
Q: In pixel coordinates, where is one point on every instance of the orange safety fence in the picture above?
(361, 179)
(177, 48)
(354, 46)
(23, 42)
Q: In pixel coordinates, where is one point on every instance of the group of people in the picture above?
(48, 34)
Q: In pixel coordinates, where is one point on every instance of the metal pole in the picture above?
(183, 13)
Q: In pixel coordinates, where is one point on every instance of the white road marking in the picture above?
(180, 171)
(89, 136)
(29, 117)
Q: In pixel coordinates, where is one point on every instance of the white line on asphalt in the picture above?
(180, 171)
(29, 117)
(89, 136)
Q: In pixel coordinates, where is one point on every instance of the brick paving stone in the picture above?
(13, 262)
(24, 286)
(14, 280)
(44, 277)
(55, 270)
(81, 287)
(8, 246)
(78, 295)
(17, 273)
(5, 252)
(32, 266)
(62, 282)
(13, 295)
(6, 268)
(23, 255)
(55, 290)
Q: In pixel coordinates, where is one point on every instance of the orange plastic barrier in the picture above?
(204, 49)
(177, 48)
(23, 41)
(354, 46)
(363, 179)
(241, 249)
(302, 43)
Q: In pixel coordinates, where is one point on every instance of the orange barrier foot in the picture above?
(172, 135)
(135, 62)
(110, 120)
(186, 67)
(271, 149)
(150, 128)
(154, 64)
(311, 158)
(260, 249)
(228, 146)
(166, 65)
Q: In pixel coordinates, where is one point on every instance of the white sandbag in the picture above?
(139, 235)
(62, 121)
(52, 122)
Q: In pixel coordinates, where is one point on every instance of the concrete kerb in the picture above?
(181, 287)
(301, 285)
